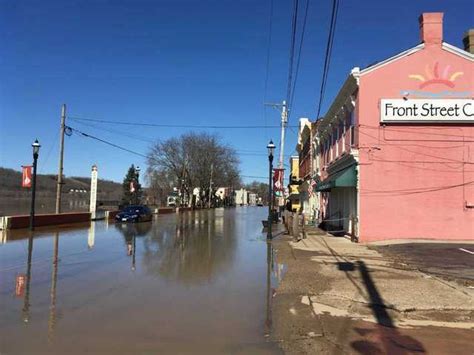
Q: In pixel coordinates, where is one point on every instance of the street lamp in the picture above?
(271, 148)
(182, 192)
(36, 147)
(137, 174)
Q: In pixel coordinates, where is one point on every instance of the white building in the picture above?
(241, 197)
(252, 199)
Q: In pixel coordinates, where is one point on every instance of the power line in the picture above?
(327, 59)
(107, 142)
(303, 30)
(398, 146)
(118, 132)
(418, 131)
(254, 177)
(128, 123)
(292, 51)
(415, 190)
(267, 69)
(241, 152)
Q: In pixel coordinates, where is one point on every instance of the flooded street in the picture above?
(199, 282)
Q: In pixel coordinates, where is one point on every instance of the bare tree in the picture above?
(190, 158)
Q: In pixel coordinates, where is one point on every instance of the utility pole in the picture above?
(284, 122)
(61, 157)
(210, 185)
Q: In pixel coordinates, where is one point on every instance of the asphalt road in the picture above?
(454, 262)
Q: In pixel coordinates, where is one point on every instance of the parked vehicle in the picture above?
(172, 201)
(135, 213)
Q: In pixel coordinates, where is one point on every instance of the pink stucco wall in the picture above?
(415, 179)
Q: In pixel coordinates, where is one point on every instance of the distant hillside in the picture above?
(76, 190)
(10, 184)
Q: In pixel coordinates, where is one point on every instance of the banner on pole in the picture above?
(26, 176)
(278, 186)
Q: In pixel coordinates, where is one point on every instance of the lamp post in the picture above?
(137, 175)
(271, 148)
(36, 147)
(182, 193)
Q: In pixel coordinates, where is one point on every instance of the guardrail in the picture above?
(41, 220)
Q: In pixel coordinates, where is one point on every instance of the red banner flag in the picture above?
(26, 176)
(278, 186)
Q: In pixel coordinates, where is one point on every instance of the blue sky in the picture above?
(180, 62)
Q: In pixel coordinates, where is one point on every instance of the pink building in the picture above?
(395, 151)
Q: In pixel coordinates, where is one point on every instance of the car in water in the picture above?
(134, 213)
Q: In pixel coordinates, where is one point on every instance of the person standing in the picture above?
(295, 225)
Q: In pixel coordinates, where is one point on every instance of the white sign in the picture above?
(426, 110)
(93, 203)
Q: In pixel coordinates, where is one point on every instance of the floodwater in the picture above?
(199, 282)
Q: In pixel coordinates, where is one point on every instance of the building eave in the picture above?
(392, 59)
(458, 51)
(348, 88)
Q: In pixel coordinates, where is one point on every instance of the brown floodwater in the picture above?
(199, 282)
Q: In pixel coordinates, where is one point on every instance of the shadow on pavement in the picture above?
(385, 338)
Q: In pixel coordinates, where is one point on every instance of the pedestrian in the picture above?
(302, 222)
(295, 225)
(286, 216)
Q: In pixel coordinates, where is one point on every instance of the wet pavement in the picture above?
(199, 282)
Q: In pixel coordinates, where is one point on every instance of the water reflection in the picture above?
(91, 236)
(52, 293)
(130, 232)
(269, 298)
(275, 273)
(26, 300)
(66, 303)
(193, 250)
(26, 310)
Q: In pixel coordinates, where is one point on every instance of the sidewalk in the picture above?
(345, 297)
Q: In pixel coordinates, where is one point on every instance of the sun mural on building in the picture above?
(432, 76)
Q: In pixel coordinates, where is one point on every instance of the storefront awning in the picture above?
(343, 178)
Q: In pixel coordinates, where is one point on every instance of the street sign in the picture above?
(26, 176)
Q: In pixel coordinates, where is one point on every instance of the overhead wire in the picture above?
(241, 152)
(267, 69)
(292, 51)
(446, 160)
(129, 123)
(327, 59)
(303, 30)
(87, 135)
